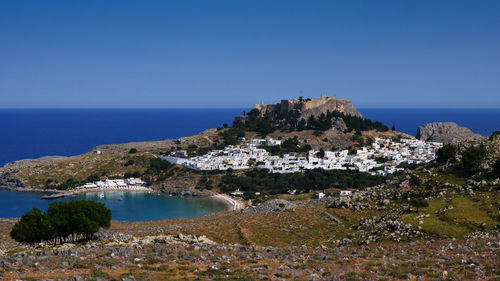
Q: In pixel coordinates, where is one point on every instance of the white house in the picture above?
(237, 192)
(345, 193)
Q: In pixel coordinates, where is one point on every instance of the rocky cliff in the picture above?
(10, 183)
(445, 132)
(310, 107)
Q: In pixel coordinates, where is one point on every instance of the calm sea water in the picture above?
(125, 206)
(33, 133)
(480, 121)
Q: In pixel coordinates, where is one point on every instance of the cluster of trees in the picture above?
(496, 168)
(68, 184)
(317, 179)
(158, 170)
(472, 158)
(204, 183)
(134, 174)
(287, 146)
(292, 121)
(419, 203)
(230, 136)
(256, 123)
(62, 221)
(494, 134)
(358, 138)
(446, 153)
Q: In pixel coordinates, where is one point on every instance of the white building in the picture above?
(345, 193)
(130, 183)
(409, 151)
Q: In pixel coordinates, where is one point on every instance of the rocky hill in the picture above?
(445, 132)
(310, 107)
(306, 114)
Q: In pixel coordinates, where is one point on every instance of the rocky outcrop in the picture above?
(10, 183)
(445, 132)
(377, 229)
(271, 206)
(27, 163)
(339, 125)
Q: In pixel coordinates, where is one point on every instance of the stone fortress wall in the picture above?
(311, 107)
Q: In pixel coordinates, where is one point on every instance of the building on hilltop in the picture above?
(310, 107)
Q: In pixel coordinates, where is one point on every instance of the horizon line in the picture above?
(361, 107)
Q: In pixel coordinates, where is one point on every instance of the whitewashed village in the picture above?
(125, 184)
(251, 154)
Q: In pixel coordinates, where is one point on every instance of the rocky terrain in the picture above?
(372, 235)
(167, 257)
(445, 132)
(272, 206)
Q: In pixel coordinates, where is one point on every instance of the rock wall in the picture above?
(445, 132)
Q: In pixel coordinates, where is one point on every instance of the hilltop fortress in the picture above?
(310, 107)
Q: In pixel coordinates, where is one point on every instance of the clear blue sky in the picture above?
(237, 53)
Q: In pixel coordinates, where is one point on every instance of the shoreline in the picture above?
(28, 189)
(66, 193)
(231, 203)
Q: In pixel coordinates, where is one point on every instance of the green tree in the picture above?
(446, 153)
(93, 177)
(31, 228)
(132, 150)
(419, 203)
(320, 153)
(61, 221)
(472, 158)
(369, 141)
(494, 134)
(496, 168)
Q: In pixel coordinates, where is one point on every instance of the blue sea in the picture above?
(33, 133)
(480, 121)
(124, 205)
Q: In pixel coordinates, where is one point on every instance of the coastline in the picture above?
(28, 189)
(66, 193)
(233, 204)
